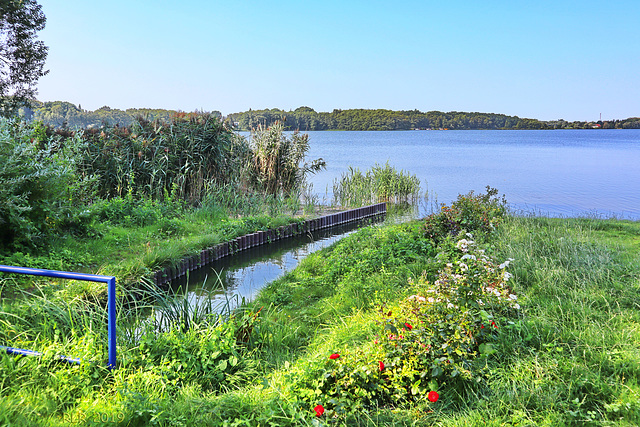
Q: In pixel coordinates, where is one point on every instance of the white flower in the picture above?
(469, 235)
(480, 302)
(430, 299)
(464, 266)
(513, 297)
(463, 245)
(504, 265)
(517, 306)
(496, 292)
(468, 256)
(507, 276)
(449, 305)
(416, 297)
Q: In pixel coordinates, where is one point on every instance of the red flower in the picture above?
(494, 324)
(381, 366)
(409, 327)
(319, 410)
(433, 396)
(481, 326)
(334, 356)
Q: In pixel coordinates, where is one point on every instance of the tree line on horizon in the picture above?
(307, 119)
(61, 114)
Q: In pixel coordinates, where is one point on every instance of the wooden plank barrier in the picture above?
(221, 250)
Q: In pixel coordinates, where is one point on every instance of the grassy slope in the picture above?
(572, 358)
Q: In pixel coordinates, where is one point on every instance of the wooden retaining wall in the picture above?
(214, 253)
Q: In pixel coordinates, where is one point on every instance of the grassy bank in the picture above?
(367, 330)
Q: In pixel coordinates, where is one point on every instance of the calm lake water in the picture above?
(556, 173)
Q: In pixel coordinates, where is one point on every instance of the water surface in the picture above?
(554, 172)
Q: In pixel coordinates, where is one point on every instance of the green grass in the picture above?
(132, 251)
(569, 356)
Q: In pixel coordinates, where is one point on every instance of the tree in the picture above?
(22, 56)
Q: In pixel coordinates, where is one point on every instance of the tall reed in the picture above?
(158, 158)
(378, 184)
(277, 161)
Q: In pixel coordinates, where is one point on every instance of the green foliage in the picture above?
(23, 56)
(131, 212)
(60, 114)
(474, 213)
(378, 184)
(41, 194)
(305, 119)
(204, 355)
(154, 159)
(276, 161)
(436, 339)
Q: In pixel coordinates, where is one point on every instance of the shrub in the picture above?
(40, 193)
(131, 211)
(473, 213)
(431, 341)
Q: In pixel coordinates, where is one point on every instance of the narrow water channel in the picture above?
(224, 284)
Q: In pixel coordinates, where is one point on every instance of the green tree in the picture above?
(22, 56)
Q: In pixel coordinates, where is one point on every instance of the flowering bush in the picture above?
(473, 213)
(430, 340)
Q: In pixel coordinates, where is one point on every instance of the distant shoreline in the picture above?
(61, 114)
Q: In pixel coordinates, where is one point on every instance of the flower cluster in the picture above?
(350, 374)
(428, 340)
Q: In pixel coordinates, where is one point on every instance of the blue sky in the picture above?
(542, 59)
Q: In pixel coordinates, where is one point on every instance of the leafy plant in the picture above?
(432, 340)
(40, 193)
(474, 213)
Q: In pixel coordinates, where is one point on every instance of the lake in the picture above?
(555, 172)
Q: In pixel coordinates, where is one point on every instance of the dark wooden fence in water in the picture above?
(214, 253)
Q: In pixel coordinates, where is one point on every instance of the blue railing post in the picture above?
(111, 306)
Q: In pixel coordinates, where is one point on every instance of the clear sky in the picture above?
(540, 59)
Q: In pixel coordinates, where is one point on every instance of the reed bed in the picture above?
(378, 184)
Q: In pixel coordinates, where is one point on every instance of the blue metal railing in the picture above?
(111, 306)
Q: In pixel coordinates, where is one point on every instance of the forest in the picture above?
(62, 114)
(307, 119)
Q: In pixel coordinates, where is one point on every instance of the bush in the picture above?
(157, 158)
(473, 213)
(129, 211)
(434, 340)
(40, 193)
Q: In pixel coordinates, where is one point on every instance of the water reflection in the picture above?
(224, 284)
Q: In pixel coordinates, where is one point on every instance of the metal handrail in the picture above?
(111, 306)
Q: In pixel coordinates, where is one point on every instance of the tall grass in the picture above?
(573, 358)
(277, 163)
(158, 158)
(378, 184)
(569, 356)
